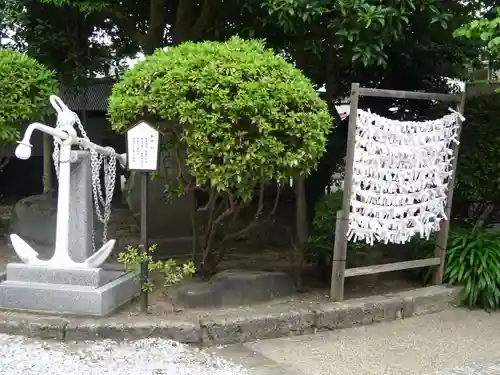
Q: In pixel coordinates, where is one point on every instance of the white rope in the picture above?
(400, 177)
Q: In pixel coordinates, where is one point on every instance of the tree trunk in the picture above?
(301, 226)
(192, 19)
(156, 30)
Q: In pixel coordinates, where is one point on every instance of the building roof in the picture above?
(97, 94)
(95, 98)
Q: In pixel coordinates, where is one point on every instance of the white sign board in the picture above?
(142, 148)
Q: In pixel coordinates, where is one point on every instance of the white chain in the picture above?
(96, 161)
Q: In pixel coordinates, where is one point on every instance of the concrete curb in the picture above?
(238, 326)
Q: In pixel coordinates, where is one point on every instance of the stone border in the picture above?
(238, 326)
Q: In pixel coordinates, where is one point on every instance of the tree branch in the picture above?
(180, 167)
(213, 228)
(153, 37)
(3, 162)
(123, 21)
(156, 27)
(257, 215)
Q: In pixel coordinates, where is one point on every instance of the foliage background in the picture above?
(25, 87)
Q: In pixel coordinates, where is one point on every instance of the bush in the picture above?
(478, 172)
(25, 87)
(246, 115)
(473, 260)
(322, 237)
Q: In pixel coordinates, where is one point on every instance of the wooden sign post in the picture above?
(142, 156)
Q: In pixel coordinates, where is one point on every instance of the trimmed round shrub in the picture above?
(25, 87)
(245, 115)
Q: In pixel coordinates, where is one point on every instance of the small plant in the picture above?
(473, 260)
(321, 240)
(172, 272)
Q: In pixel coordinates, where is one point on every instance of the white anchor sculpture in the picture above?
(65, 136)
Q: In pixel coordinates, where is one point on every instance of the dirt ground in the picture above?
(245, 257)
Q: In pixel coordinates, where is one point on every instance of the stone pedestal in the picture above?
(95, 291)
(81, 291)
(235, 288)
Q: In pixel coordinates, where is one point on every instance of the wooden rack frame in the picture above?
(339, 271)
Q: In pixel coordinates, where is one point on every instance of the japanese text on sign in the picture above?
(142, 144)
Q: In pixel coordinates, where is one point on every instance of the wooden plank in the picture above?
(349, 161)
(442, 236)
(380, 268)
(340, 245)
(396, 94)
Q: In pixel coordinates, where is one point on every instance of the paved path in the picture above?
(454, 342)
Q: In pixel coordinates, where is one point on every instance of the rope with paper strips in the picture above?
(400, 179)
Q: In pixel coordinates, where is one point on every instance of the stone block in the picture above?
(339, 315)
(37, 327)
(92, 277)
(428, 300)
(381, 308)
(47, 328)
(235, 287)
(357, 312)
(69, 299)
(135, 329)
(264, 325)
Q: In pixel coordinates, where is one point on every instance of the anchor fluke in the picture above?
(29, 256)
(100, 256)
(24, 251)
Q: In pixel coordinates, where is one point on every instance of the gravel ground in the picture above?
(20, 356)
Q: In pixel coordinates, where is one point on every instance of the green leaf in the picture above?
(247, 116)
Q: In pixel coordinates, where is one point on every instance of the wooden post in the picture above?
(142, 157)
(339, 261)
(342, 224)
(144, 240)
(442, 236)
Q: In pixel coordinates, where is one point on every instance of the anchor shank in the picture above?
(61, 254)
(81, 225)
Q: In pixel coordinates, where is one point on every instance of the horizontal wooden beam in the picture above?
(380, 268)
(396, 94)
